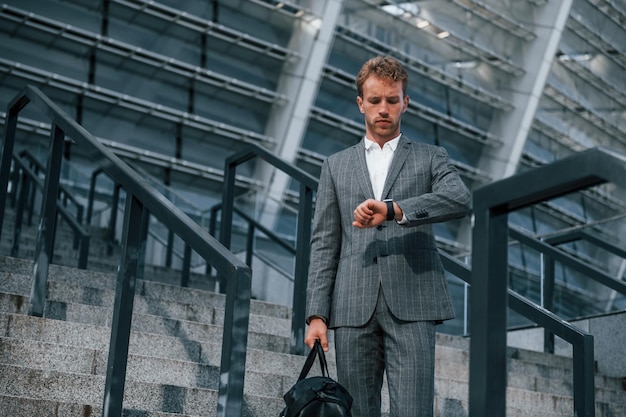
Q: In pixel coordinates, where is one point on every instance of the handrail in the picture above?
(112, 226)
(492, 204)
(566, 259)
(141, 198)
(582, 343)
(580, 233)
(308, 185)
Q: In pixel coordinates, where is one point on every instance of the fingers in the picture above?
(324, 343)
(369, 213)
(317, 331)
(363, 214)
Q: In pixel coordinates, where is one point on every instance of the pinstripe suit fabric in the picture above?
(349, 266)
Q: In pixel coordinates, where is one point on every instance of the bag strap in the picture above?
(319, 352)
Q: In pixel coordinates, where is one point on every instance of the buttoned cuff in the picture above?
(308, 321)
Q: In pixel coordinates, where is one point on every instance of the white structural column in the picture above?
(312, 38)
(526, 91)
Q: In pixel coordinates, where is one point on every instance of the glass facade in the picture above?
(175, 87)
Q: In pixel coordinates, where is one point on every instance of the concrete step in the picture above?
(99, 261)
(145, 307)
(141, 368)
(451, 383)
(175, 350)
(87, 390)
(17, 278)
(43, 330)
(30, 407)
(160, 325)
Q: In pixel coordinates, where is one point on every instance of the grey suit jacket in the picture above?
(348, 264)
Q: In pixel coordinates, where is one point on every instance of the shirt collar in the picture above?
(393, 143)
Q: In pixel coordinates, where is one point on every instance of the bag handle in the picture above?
(319, 352)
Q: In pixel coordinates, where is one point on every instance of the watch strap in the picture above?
(390, 211)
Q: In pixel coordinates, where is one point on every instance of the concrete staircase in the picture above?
(56, 365)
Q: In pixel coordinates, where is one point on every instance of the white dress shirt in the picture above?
(378, 161)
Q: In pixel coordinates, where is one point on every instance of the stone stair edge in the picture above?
(145, 300)
(17, 406)
(443, 352)
(137, 395)
(182, 373)
(170, 305)
(215, 302)
(514, 350)
(76, 327)
(111, 266)
(558, 402)
(257, 328)
(290, 365)
(143, 285)
(254, 377)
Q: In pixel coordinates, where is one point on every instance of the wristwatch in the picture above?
(391, 214)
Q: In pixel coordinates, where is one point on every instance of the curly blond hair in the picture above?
(385, 68)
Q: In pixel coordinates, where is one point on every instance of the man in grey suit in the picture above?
(375, 275)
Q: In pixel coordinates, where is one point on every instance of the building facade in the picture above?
(175, 87)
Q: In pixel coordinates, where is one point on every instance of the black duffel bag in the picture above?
(317, 396)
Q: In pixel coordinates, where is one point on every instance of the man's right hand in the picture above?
(317, 331)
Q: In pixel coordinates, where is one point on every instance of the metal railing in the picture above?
(582, 342)
(26, 182)
(141, 199)
(114, 207)
(488, 326)
(308, 185)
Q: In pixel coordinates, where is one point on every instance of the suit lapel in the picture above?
(361, 171)
(399, 157)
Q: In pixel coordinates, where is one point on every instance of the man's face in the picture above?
(382, 105)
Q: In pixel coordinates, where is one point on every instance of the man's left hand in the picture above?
(370, 213)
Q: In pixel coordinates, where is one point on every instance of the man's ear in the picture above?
(406, 103)
(359, 102)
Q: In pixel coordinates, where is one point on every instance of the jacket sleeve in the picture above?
(325, 247)
(448, 198)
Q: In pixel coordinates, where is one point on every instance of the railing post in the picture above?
(7, 154)
(212, 227)
(129, 272)
(83, 254)
(228, 204)
(584, 374)
(92, 194)
(234, 343)
(488, 325)
(30, 205)
(250, 244)
(19, 213)
(115, 201)
(47, 222)
(169, 250)
(185, 273)
(548, 299)
(303, 253)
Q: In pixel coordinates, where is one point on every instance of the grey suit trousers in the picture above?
(405, 348)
